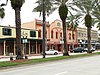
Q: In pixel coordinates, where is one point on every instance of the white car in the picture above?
(92, 49)
(52, 51)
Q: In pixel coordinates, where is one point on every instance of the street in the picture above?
(77, 66)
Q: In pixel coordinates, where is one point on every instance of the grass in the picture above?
(39, 60)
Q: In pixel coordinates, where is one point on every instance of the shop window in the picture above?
(32, 33)
(6, 31)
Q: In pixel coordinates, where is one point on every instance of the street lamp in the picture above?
(24, 42)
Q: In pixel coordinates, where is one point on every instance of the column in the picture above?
(4, 44)
(29, 47)
(36, 48)
(14, 48)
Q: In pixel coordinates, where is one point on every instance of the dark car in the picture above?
(78, 49)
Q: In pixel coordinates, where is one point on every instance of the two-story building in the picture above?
(82, 36)
(54, 34)
(29, 39)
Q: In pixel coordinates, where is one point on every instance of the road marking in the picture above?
(61, 73)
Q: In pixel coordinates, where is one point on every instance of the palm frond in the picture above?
(48, 5)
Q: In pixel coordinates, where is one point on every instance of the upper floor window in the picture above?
(61, 35)
(51, 34)
(69, 36)
(73, 36)
(56, 35)
(58, 24)
(78, 34)
(46, 34)
(6, 31)
(39, 33)
(32, 33)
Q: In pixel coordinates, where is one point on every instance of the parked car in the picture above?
(78, 49)
(52, 51)
(92, 49)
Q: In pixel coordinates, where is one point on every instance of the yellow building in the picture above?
(29, 38)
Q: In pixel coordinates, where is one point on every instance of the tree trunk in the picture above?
(65, 53)
(72, 39)
(18, 34)
(89, 39)
(44, 31)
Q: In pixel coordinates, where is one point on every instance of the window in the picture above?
(61, 35)
(46, 34)
(51, 34)
(39, 33)
(58, 24)
(56, 35)
(78, 34)
(6, 31)
(73, 36)
(69, 36)
(32, 33)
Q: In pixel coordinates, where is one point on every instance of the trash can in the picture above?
(11, 56)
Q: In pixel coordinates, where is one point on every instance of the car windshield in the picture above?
(51, 50)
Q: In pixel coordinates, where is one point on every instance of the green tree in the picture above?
(96, 13)
(16, 5)
(2, 13)
(86, 7)
(45, 7)
(63, 12)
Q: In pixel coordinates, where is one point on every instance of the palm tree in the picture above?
(16, 5)
(2, 14)
(45, 7)
(86, 7)
(96, 12)
(63, 11)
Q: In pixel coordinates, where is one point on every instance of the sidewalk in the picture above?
(34, 56)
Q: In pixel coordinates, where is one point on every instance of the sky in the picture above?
(26, 13)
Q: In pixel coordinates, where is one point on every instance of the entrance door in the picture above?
(7, 50)
(33, 49)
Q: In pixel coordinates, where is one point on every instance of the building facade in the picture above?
(82, 36)
(32, 34)
(54, 34)
(29, 38)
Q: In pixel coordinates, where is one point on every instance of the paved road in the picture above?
(77, 66)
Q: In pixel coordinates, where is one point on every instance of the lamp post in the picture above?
(24, 42)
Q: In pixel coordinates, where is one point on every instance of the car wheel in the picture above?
(55, 53)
